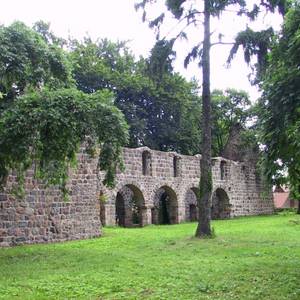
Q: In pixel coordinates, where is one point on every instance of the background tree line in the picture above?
(54, 93)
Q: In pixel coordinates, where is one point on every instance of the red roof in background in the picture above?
(281, 199)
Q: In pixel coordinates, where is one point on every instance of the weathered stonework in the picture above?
(43, 215)
(234, 182)
(156, 187)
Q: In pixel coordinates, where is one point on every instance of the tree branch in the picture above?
(181, 20)
(221, 43)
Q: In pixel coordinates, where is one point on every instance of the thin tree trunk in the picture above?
(298, 210)
(204, 229)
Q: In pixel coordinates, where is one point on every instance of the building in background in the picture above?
(281, 196)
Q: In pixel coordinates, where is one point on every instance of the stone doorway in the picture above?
(191, 204)
(165, 210)
(129, 207)
(221, 207)
(120, 210)
(193, 213)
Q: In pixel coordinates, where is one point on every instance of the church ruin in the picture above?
(155, 188)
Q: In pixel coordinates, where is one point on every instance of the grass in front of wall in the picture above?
(251, 258)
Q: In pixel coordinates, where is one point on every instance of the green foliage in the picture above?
(161, 107)
(187, 12)
(47, 129)
(161, 58)
(229, 108)
(251, 258)
(175, 6)
(44, 30)
(257, 44)
(280, 105)
(254, 44)
(27, 61)
(103, 198)
(43, 120)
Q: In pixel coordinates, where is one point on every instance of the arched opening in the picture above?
(129, 207)
(220, 205)
(176, 166)
(223, 169)
(191, 204)
(147, 165)
(193, 212)
(165, 210)
(120, 210)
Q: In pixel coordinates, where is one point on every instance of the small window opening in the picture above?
(146, 157)
(176, 166)
(223, 169)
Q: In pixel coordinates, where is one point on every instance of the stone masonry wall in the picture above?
(246, 192)
(43, 216)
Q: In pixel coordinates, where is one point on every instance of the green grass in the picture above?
(251, 258)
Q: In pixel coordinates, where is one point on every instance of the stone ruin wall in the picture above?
(43, 216)
(245, 190)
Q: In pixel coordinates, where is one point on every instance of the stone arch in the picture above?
(191, 204)
(146, 163)
(165, 206)
(129, 206)
(221, 207)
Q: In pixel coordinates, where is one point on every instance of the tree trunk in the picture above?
(204, 199)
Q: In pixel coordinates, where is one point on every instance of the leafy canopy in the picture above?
(230, 108)
(280, 105)
(27, 61)
(160, 106)
(44, 119)
(47, 129)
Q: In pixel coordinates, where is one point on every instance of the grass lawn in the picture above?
(251, 258)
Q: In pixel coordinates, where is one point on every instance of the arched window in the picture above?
(147, 166)
(176, 166)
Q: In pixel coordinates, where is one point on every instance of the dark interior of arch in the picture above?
(193, 216)
(129, 206)
(191, 204)
(165, 210)
(220, 205)
(120, 210)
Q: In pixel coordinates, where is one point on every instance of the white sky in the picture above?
(118, 20)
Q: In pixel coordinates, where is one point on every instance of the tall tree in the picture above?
(277, 74)
(160, 106)
(188, 12)
(230, 109)
(280, 105)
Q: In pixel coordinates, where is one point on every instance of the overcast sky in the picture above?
(118, 20)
